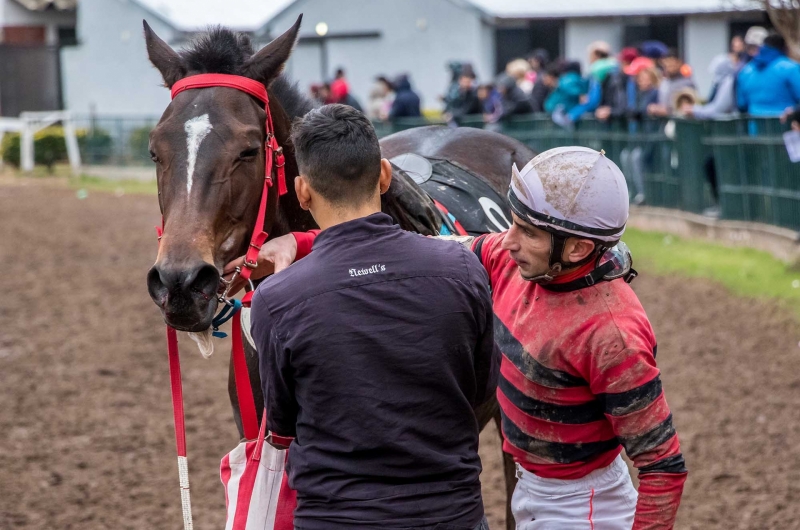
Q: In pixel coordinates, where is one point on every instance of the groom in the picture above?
(374, 350)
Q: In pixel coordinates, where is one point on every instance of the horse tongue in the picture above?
(204, 341)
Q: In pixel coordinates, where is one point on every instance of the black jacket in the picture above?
(539, 95)
(466, 103)
(406, 101)
(374, 351)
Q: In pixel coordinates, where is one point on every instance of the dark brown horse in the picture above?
(209, 153)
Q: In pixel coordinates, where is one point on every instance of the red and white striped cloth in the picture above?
(257, 493)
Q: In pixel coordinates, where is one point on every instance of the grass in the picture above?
(119, 187)
(744, 271)
(61, 174)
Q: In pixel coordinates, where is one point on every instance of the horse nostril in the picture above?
(200, 280)
(205, 281)
(156, 287)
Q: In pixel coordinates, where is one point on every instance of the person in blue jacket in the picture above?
(770, 83)
(569, 88)
(406, 102)
(601, 66)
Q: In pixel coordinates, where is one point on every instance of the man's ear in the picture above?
(163, 57)
(386, 176)
(267, 63)
(577, 249)
(303, 191)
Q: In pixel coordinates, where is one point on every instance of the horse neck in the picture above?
(289, 216)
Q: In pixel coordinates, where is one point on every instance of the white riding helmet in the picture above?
(573, 191)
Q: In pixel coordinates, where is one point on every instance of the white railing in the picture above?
(29, 123)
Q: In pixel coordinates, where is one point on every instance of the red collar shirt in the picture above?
(579, 382)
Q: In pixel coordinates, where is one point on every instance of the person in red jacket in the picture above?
(579, 381)
(340, 88)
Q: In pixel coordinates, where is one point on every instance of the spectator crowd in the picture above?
(756, 77)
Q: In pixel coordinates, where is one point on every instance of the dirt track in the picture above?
(85, 422)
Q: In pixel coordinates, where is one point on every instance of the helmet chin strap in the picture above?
(557, 243)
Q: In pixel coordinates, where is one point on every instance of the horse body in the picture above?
(486, 154)
(209, 197)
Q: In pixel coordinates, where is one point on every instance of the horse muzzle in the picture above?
(186, 294)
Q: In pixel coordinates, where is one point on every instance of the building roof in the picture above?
(192, 15)
(41, 5)
(589, 8)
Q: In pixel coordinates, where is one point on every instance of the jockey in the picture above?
(579, 381)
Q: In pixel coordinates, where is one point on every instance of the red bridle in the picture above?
(272, 151)
(273, 158)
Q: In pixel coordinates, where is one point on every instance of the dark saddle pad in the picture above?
(463, 197)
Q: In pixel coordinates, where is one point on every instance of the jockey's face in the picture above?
(529, 247)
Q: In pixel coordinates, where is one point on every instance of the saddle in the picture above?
(463, 202)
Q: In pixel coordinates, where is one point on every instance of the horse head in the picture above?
(209, 150)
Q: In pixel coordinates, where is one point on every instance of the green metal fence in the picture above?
(116, 141)
(756, 180)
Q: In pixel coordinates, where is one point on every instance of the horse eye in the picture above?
(248, 153)
(154, 157)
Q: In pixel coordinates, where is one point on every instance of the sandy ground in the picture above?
(86, 436)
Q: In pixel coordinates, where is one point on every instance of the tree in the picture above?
(785, 16)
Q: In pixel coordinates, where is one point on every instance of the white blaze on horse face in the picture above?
(196, 129)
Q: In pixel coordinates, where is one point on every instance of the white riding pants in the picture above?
(604, 499)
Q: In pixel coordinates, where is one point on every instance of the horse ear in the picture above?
(163, 57)
(267, 64)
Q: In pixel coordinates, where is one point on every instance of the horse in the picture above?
(209, 152)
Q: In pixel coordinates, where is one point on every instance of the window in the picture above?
(67, 36)
(517, 42)
(667, 29)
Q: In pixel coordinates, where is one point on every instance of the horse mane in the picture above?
(293, 101)
(218, 51)
(223, 51)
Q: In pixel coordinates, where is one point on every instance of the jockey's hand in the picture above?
(274, 256)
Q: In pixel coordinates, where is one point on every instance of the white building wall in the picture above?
(13, 14)
(705, 37)
(486, 63)
(108, 72)
(418, 37)
(580, 32)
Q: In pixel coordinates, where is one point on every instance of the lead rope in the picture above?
(176, 387)
(180, 427)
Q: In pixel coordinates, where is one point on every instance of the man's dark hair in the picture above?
(385, 80)
(541, 55)
(571, 66)
(672, 53)
(554, 69)
(776, 40)
(337, 150)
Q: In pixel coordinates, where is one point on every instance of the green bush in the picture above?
(139, 143)
(10, 149)
(49, 146)
(95, 145)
